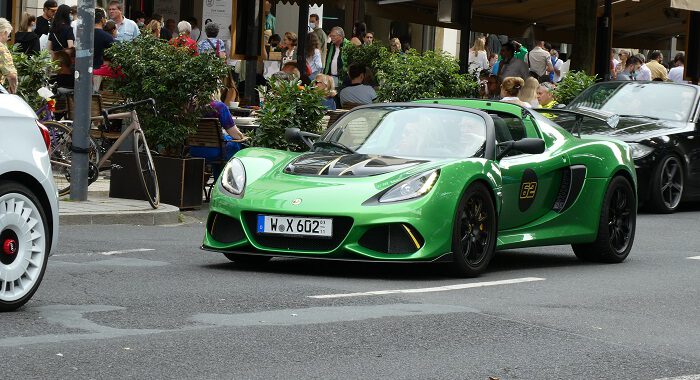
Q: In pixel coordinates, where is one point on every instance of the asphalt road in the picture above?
(145, 302)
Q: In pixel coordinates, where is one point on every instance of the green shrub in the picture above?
(33, 73)
(411, 76)
(573, 83)
(180, 83)
(371, 56)
(287, 105)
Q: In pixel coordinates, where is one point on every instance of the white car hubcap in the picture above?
(22, 246)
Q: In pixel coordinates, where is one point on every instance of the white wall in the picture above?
(287, 18)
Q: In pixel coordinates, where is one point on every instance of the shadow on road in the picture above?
(503, 261)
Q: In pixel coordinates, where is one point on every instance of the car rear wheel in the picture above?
(667, 185)
(618, 221)
(474, 232)
(24, 245)
(247, 259)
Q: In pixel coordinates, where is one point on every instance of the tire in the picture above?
(146, 169)
(667, 186)
(474, 232)
(24, 245)
(60, 154)
(617, 225)
(247, 259)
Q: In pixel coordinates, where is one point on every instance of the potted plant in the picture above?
(414, 75)
(182, 85)
(572, 84)
(287, 104)
(33, 73)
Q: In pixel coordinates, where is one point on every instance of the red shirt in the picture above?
(184, 41)
(106, 71)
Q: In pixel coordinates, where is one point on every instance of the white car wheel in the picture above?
(23, 245)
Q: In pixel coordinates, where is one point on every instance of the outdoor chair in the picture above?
(209, 135)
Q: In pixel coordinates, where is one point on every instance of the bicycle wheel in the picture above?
(146, 169)
(60, 154)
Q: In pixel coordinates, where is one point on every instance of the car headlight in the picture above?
(413, 187)
(640, 150)
(233, 177)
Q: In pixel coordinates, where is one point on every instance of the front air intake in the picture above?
(392, 238)
(224, 229)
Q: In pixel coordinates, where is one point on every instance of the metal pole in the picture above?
(604, 42)
(83, 100)
(465, 22)
(302, 30)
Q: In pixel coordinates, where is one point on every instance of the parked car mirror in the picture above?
(296, 135)
(526, 145)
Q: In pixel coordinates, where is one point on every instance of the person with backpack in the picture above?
(212, 44)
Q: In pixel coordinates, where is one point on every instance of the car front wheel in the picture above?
(667, 185)
(618, 221)
(474, 232)
(24, 245)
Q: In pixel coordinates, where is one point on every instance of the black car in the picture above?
(660, 121)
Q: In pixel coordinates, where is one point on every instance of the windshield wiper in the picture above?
(640, 116)
(333, 144)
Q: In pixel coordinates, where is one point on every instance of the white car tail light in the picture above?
(45, 134)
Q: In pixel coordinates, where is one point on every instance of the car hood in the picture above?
(351, 165)
(268, 181)
(633, 129)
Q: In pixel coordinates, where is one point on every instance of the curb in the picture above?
(164, 215)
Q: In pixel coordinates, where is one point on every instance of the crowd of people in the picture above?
(55, 30)
(509, 72)
(505, 68)
(627, 66)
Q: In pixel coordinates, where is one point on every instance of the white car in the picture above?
(28, 202)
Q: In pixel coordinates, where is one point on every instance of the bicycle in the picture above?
(142, 154)
(61, 147)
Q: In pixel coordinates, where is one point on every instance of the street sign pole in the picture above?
(83, 100)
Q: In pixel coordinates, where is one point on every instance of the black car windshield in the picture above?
(665, 101)
(409, 132)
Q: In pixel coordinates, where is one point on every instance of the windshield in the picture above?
(656, 100)
(409, 132)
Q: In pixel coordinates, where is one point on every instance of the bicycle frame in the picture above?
(133, 126)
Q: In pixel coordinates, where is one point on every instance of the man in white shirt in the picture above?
(644, 73)
(539, 60)
(556, 67)
(677, 72)
(127, 30)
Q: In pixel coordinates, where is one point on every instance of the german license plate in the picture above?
(295, 226)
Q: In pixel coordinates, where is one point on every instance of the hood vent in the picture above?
(349, 165)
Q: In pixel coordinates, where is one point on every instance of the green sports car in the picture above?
(432, 181)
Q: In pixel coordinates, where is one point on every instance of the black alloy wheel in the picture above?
(618, 221)
(474, 232)
(667, 185)
(620, 224)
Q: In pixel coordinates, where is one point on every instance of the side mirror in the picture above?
(526, 145)
(296, 136)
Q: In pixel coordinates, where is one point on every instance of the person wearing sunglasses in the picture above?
(324, 83)
(43, 22)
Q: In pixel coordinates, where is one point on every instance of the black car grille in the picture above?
(341, 227)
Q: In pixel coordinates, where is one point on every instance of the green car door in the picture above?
(531, 182)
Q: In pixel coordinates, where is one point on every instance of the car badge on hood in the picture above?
(296, 202)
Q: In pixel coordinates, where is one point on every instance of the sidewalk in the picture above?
(100, 209)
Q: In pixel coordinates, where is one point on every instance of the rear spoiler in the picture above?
(608, 118)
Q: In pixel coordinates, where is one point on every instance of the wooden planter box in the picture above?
(180, 180)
